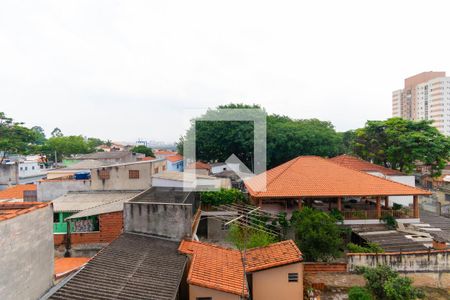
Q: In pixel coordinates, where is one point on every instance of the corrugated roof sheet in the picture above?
(79, 201)
(131, 267)
(313, 176)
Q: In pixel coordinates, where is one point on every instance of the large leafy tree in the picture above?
(286, 138)
(317, 234)
(143, 150)
(66, 146)
(398, 144)
(14, 137)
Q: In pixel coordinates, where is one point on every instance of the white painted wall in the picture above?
(224, 167)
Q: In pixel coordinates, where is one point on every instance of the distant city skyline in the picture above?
(130, 70)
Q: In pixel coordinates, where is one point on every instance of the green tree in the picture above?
(40, 134)
(359, 293)
(386, 284)
(243, 237)
(66, 146)
(223, 196)
(317, 234)
(93, 143)
(398, 144)
(15, 138)
(143, 150)
(286, 138)
(56, 132)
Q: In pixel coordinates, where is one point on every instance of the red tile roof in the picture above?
(147, 158)
(66, 265)
(274, 255)
(199, 166)
(16, 192)
(313, 176)
(174, 158)
(164, 152)
(9, 210)
(222, 269)
(356, 163)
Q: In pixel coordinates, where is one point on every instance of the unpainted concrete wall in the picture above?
(9, 174)
(50, 190)
(419, 261)
(26, 255)
(169, 220)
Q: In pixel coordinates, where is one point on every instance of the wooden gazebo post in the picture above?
(339, 204)
(386, 202)
(299, 203)
(416, 206)
(378, 207)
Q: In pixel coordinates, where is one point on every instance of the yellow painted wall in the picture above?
(273, 283)
(196, 291)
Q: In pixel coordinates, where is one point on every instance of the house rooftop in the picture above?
(104, 155)
(313, 176)
(221, 268)
(174, 158)
(82, 200)
(132, 267)
(356, 163)
(9, 210)
(16, 191)
(199, 166)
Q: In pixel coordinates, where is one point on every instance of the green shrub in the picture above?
(359, 293)
(390, 221)
(397, 206)
(337, 215)
(223, 196)
(369, 248)
(249, 238)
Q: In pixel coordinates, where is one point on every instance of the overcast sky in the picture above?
(129, 69)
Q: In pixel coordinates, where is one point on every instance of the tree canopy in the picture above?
(14, 137)
(399, 144)
(143, 150)
(317, 234)
(286, 138)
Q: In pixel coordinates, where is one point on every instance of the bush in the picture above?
(337, 215)
(369, 248)
(386, 284)
(390, 221)
(317, 234)
(359, 293)
(397, 206)
(223, 196)
(250, 238)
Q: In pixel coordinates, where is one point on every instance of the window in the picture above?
(26, 168)
(103, 174)
(163, 168)
(32, 167)
(293, 277)
(203, 298)
(156, 170)
(21, 168)
(225, 226)
(133, 174)
(55, 217)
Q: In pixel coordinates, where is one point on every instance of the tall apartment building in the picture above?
(426, 96)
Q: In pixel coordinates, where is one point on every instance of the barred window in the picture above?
(133, 174)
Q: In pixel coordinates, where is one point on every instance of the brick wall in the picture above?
(325, 267)
(111, 225)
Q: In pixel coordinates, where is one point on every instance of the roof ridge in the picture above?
(292, 161)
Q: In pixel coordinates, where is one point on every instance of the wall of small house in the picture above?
(198, 292)
(119, 176)
(273, 283)
(111, 225)
(50, 190)
(9, 174)
(26, 259)
(403, 200)
(167, 220)
(175, 166)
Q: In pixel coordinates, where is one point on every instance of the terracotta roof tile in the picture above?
(221, 268)
(274, 255)
(164, 152)
(199, 165)
(356, 163)
(16, 192)
(66, 265)
(313, 176)
(9, 210)
(148, 158)
(174, 158)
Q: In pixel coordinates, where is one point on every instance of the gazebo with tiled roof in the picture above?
(312, 177)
